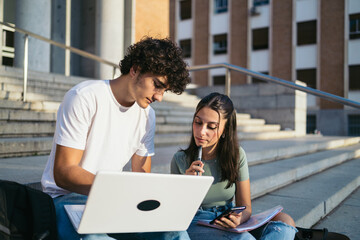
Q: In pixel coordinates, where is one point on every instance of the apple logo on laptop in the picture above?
(148, 205)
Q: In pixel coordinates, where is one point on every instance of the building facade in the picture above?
(314, 41)
(102, 27)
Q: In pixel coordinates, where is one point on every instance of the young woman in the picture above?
(214, 129)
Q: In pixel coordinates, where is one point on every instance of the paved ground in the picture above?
(348, 213)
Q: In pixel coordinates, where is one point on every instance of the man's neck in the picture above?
(120, 87)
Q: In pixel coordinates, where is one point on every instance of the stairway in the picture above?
(310, 175)
(26, 129)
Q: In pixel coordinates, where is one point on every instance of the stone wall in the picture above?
(274, 103)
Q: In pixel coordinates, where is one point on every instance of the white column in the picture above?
(109, 34)
(33, 16)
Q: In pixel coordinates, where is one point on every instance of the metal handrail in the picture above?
(271, 79)
(66, 47)
(227, 66)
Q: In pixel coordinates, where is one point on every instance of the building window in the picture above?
(7, 49)
(354, 77)
(306, 33)
(354, 26)
(257, 80)
(260, 38)
(354, 125)
(260, 2)
(185, 9)
(220, 6)
(219, 80)
(307, 76)
(310, 124)
(220, 44)
(185, 45)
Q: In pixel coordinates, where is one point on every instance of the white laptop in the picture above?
(122, 202)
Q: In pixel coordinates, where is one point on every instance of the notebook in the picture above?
(121, 202)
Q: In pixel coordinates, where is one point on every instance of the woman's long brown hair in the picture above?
(227, 151)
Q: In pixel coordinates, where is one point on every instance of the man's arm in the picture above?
(140, 163)
(67, 172)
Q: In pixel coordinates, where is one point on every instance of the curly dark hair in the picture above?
(160, 57)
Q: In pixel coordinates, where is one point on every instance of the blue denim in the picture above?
(278, 230)
(271, 231)
(66, 230)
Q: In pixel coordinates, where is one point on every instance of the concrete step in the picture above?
(30, 129)
(187, 112)
(262, 151)
(185, 99)
(259, 128)
(266, 135)
(347, 213)
(174, 118)
(15, 75)
(170, 105)
(32, 87)
(173, 128)
(30, 96)
(311, 199)
(40, 86)
(11, 147)
(271, 176)
(166, 139)
(177, 128)
(26, 115)
(44, 106)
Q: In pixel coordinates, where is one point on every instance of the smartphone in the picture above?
(226, 214)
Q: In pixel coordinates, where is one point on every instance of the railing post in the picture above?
(67, 37)
(26, 50)
(227, 82)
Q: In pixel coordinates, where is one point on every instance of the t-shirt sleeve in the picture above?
(73, 121)
(147, 144)
(243, 166)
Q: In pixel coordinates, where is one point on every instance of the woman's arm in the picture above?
(243, 198)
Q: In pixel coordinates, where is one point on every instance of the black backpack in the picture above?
(318, 234)
(26, 213)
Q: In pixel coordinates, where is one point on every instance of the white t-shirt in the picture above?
(91, 119)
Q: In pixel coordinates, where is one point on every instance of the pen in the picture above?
(199, 156)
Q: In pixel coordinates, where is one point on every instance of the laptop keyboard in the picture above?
(76, 216)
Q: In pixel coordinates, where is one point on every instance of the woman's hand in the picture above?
(195, 167)
(231, 221)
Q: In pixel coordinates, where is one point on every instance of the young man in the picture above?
(101, 125)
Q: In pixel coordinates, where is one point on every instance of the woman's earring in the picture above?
(223, 136)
